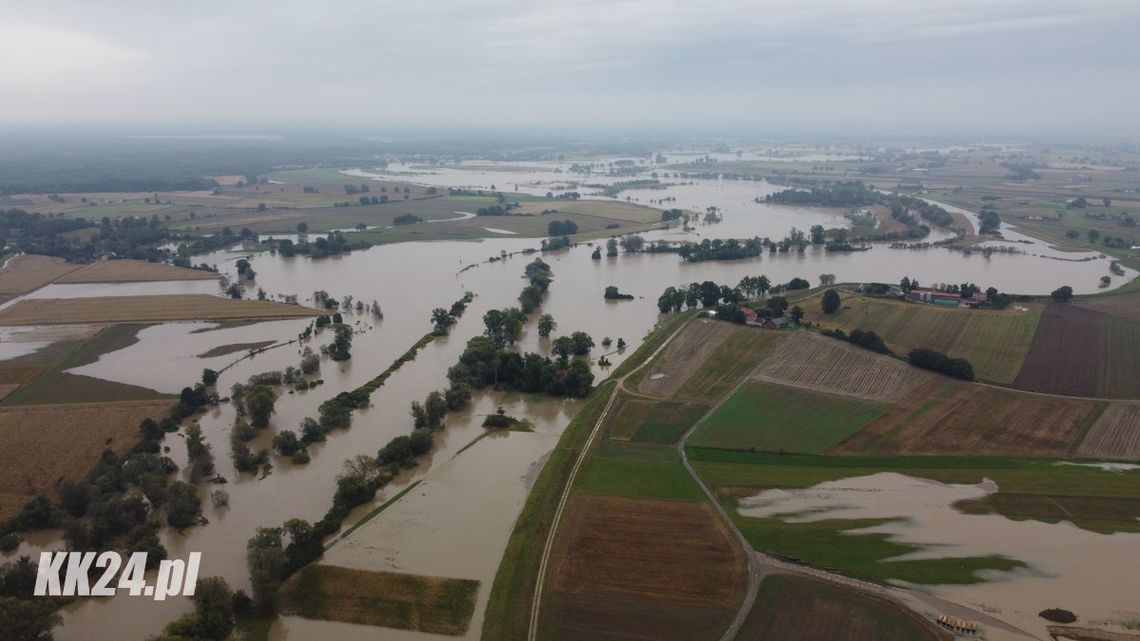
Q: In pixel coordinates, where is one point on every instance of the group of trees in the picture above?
(709, 294)
(407, 219)
(562, 228)
(333, 244)
(989, 221)
(442, 319)
(865, 339)
(613, 293)
(717, 249)
(941, 363)
(538, 275)
(852, 194)
(484, 364)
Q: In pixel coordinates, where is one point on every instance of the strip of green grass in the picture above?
(667, 422)
(372, 513)
(774, 418)
(830, 544)
(640, 479)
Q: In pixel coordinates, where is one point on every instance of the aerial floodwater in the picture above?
(453, 513)
(418, 534)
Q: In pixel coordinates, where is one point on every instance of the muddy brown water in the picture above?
(408, 280)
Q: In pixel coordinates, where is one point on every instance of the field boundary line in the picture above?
(548, 547)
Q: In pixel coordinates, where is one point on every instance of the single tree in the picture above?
(831, 301)
(797, 314)
(546, 325)
(260, 401)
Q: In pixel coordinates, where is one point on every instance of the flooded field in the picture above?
(1094, 575)
(456, 522)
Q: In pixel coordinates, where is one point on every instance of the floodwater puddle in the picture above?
(1107, 467)
(1095, 575)
(23, 341)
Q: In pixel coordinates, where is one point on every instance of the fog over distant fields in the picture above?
(1019, 66)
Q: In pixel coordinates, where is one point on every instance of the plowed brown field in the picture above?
(638, 569)
(1065, 354)
(830, 365)
(1116, 436)
(945, 417)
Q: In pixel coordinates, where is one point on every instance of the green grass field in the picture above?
(639, 478)
(995, 342)
(774, 418)
(731, 361)
(646, 421)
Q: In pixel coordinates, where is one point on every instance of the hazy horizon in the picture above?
(1006, 67)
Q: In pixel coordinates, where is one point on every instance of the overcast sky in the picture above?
(919, 65)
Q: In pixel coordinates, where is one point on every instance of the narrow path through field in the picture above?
(532, 632)
(754, 569)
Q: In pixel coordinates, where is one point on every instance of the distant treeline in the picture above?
(856, 194)
(126, 237)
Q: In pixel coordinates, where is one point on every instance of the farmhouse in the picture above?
(750, 316)
(778, 322)
(935, 298)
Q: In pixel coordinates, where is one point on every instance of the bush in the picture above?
(9, 542)
(182, 505)
(1062, 294)
(286, 443)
